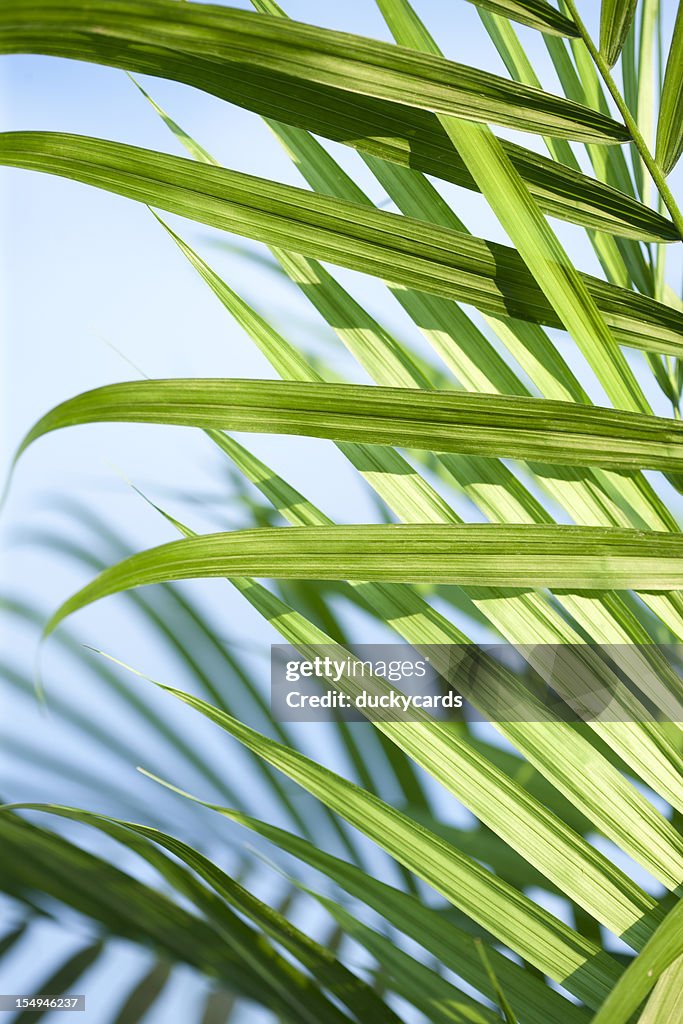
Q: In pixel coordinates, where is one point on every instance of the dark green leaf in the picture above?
(670, 125)
(144, 994)
(536, 13)
(616, 17)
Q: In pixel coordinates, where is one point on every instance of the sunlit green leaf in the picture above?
(523, 428)
(491, 277)
(201, 44)
(666, 1002)
(563, 557)
(665, 946)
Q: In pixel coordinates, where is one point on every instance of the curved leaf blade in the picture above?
(557, 557)
(403, 250)
(39, 860)
(534, 13)
(220, 36)
(432, 995)
(506, 913)
(453, 947)
(473, 424)
(328, 972)
(616, 17)
(670, 124)
(406, 135)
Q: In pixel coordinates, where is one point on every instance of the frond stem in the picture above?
(655, 170)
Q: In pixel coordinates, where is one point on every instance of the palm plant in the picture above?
(572, 543)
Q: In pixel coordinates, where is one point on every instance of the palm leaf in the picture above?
(537, 244)
(145, 994)
(620, 262)
(225, 38)
(501, 497)
(658, 847)
(435, 997)
(616, 17)
(666, 1002)
(535, 13)
(328, 972)
(561, 557)
(425, 924)
(543, 939)
(408, 112)
(491, 426)
(491, 277)
(663, 949)
(501, 998)
(65, 978)
(670, 124)
(405, 134)
(38, 860)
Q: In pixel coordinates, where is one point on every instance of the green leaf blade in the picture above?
(220, 35)
(670, 124)
(616, 18)
(663, 949)
(534, 13)
(425, 924)
(559, 557)
(409, 135)
(430, 258)
(449, 421)
(482, 895)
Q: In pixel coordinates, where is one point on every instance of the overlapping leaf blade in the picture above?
(616, 17)
(420, 985)
(663, 949)
(491, 277)
(419, 624)
(388, 102)
(535, 13)
(221, 36)
(409, 135)
(425, 924)
(560, 557)
(41, 861)
(539, 247)
(670, 124)
(666, 1002)
(328, 972)
(488, 425)
(543, 939)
